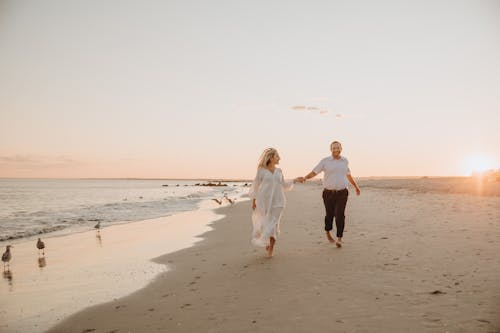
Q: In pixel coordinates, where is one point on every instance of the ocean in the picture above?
(32, 207)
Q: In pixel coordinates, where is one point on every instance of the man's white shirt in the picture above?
(335, 172)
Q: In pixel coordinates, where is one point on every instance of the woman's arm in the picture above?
(287, 185)
(252, 193)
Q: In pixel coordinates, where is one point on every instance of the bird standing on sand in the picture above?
(6, 256)
(40, 246)
(98, 226)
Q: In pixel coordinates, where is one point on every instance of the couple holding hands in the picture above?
(268, 199)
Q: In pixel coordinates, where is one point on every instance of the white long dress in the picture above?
(267, 190)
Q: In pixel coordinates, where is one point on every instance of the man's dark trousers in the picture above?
(335, 202)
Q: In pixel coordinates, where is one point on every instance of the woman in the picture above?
(268, 200)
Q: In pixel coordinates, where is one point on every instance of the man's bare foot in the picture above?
(330, 238)
(270, 247)
(338, 243)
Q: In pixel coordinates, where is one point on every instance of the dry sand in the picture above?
(411, 262)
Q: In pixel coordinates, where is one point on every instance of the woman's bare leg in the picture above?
(270, 247)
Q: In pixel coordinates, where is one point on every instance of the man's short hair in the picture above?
(334, 142)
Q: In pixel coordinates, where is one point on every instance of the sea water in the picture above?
(31, 207)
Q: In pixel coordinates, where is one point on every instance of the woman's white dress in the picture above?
(267, 190)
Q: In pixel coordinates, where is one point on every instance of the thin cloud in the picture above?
(36, 162)
(16, 159)
(315, 109)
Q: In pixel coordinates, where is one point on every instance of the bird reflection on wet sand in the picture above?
(99, 239)
(7, 275)
(42, 262)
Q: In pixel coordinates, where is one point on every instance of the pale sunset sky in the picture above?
(197, 89)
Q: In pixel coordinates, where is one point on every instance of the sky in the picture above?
(198, 89)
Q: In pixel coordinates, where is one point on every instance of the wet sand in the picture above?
(88, 268)
(413, 261)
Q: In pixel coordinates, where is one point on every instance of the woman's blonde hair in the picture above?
(266, 156)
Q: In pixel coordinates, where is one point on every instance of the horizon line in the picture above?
(217, 179)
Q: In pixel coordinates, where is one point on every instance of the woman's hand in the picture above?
(299, 180)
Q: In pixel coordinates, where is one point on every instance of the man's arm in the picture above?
(353, 182)
(310, 175)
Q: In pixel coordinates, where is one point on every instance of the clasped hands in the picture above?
(299, 180)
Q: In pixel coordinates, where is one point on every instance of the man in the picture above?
(335, 193)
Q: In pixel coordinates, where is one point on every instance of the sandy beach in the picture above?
(155, 119)
(414, 261)
(88, 268)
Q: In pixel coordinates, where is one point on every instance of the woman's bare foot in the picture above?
(330, 238)
(270, 247)
(338, 243)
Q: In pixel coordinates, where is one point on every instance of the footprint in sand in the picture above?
(431, 318)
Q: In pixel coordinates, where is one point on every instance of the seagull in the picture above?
(6, 256)
(40, 246)
(98, 226)
(219, 201)
(229, 200)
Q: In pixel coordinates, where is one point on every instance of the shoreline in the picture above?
(39, 208)
(420, 262)
(85, 268)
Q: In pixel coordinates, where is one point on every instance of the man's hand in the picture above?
(358, 191)
(299, 180)
(253, 204)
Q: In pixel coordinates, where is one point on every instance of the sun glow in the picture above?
(479, 163)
